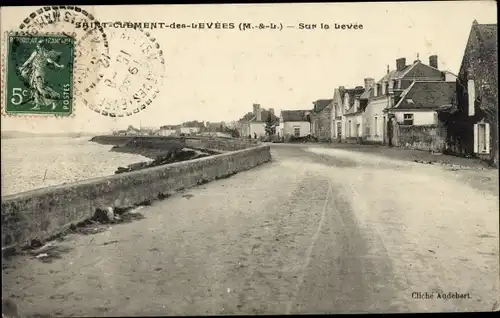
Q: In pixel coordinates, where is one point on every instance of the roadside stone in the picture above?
(104, 215)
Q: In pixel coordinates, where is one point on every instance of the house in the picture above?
(243, 124)
(192, 127)
(254, 123)
(372, 105)
(417, 105)
(472, 124)
(190, 130)
(259, 122)
(168, 130)
(295, 123)
(351, 122)
(214, 127)
(321, 119)
(381, 96)
(337, 112)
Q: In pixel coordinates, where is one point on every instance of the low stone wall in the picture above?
(428, 137)
(40, 214)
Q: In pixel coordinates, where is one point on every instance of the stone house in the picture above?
(472, 124)
(321, 119)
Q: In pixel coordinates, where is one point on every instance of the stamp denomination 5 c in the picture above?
(89, 44)
(39, 74)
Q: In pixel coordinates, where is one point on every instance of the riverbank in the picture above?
(39, 162)
(161, 150)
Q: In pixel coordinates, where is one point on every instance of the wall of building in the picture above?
(42, 213)
(351, 127)
(322, 123)
(419, 117)
(190, 130)
(288, 128)
(373, 120)
(258, 128)
(167, 132)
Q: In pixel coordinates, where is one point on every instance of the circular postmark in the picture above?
(90, 39)
(130, 76)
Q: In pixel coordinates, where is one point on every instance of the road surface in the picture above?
(317, 230)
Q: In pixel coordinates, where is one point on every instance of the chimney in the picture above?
(433, 61)
(400, 63)
(256, 111)
(369, 82)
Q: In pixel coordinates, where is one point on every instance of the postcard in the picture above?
(215, 159)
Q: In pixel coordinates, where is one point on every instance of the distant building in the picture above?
(167, 132)
(351, 119)
(192, 127)
(321, 119)
(254, 123)
(190, 130)
(295, 123)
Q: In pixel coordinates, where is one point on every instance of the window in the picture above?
(296, 131)
(375, 126)
(408, 119)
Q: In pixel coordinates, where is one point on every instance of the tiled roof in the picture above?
(354, 93)
(294, 115)
(366, 94)
(321, 104)
(248, 116)
(427, 95)
(264, 114)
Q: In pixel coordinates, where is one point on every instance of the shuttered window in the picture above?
(482, 138)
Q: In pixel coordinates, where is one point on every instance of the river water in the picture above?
(32, 163)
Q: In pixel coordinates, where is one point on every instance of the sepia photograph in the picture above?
(249, 159)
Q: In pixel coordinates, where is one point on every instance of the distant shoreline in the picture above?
(23, 135)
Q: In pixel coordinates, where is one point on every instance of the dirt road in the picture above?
(315, 231)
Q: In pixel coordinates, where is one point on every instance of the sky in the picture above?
(217, 74)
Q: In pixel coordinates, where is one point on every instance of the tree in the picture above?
(270, 129)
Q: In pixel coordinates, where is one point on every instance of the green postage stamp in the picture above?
(39, 74)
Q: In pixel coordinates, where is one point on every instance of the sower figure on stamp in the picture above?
(33, 72)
